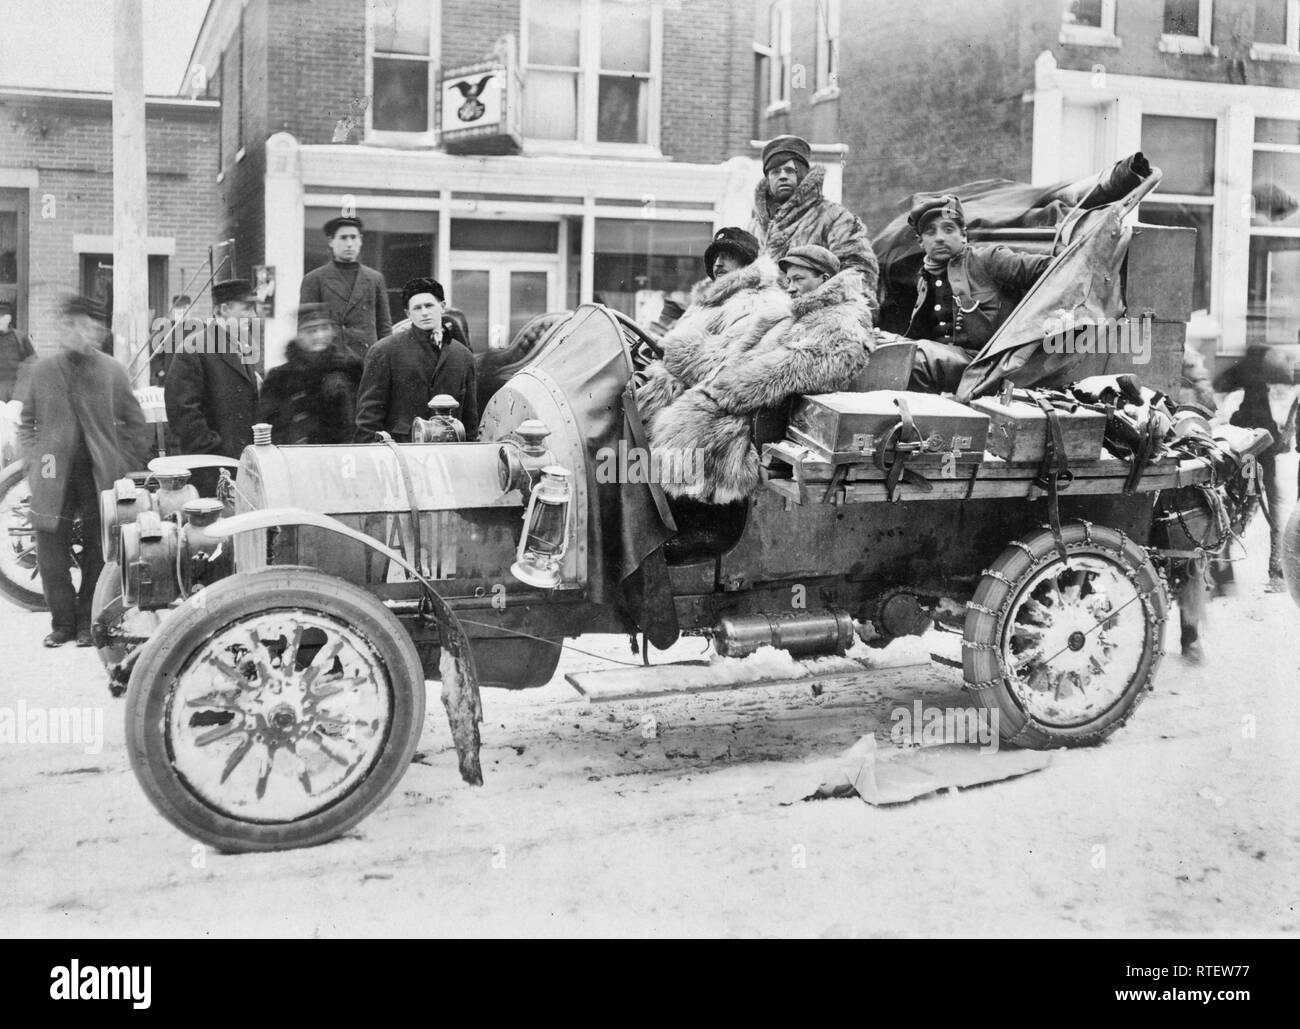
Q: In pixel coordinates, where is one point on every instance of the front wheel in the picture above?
(275, 709)
(1291, 554)
(1063, 650)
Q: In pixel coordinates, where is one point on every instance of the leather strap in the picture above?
(1053, 471)
(637, 431)
(405, 469)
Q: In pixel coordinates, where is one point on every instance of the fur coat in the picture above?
(728, 317)
(808, 217)
(826, 343)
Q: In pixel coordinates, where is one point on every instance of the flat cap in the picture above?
(928, 206)
(334, 224)
(814, 258)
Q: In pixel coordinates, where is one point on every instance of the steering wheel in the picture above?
(643, 348)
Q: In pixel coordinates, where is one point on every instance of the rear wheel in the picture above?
(1063, 651)
(277, 710)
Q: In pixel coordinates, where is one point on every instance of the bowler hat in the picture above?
(731, 240)
(814, 258)
(783, 148)
(232, 290)
(928, 206)
(334, 224)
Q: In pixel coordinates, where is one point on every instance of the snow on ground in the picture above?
(668, 816)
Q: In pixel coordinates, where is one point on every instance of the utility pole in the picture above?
(130, 187)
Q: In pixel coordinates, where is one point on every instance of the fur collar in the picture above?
(806, 196)
(759, 275)
(842, 287)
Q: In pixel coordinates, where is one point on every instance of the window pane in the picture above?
(1276, 189)
(553, 30)
(1270, 21)
(624, 36)
(1277, 130)
(637, 256)
(401, 95)
(1182, 17)
(401, 244)
(1273, 311)
(1183, 148)
(1196, 217)
(495, 234)
(9, 247)
(624, 105)
(527, 299)
(402, 27)
(1084, 12)
(469, 293)
(551, 105)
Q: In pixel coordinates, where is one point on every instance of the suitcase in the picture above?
(838, 426)
(1018, 430)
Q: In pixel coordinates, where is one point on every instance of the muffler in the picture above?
(802, 633)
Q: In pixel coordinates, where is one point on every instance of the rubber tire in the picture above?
(190, 626)
(1291, 554)
(19, 593)
(107, 589)
(982, 668)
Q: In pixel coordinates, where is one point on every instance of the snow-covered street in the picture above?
(672, 815)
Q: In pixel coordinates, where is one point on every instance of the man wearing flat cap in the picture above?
(354, 294)
(963, 293)
(212, 397)
(81, 430)
(790, 211)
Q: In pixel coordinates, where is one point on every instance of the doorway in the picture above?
(500, 292)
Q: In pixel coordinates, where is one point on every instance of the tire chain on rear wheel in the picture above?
(1155, 602)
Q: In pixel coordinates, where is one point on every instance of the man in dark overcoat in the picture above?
(354, 294)
(81, 430)
(211, 392)
(406, 370)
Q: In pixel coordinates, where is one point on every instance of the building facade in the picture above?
(627, 139)
(56, 200)
(929, 94)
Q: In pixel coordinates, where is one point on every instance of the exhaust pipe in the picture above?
(801, 633)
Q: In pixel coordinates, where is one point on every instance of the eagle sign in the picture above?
(472, 109)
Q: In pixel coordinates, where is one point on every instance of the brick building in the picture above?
(930, 94)
(56, 199)
(628, 141)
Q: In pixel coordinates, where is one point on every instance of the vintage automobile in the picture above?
(281, 694)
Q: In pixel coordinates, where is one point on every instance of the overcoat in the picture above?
(987, 283)
(820, 349)
(360, 312)
(67, 398)
(211, 402)
(312, 397)
(403, 373)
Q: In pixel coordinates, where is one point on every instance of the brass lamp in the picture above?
(546, 530)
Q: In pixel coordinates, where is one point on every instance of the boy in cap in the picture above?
(963, 293)
(790, 210)
(354, 294)
(81, 429)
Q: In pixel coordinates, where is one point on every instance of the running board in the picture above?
(686, 677)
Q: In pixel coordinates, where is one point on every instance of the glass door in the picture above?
(500, 294)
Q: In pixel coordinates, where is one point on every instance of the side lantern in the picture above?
(546, 530)
(204, 558)
(442, 426)
(149, 549)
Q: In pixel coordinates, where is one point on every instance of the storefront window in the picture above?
(1184, 150)
(1273, 292)
(402, 245)
(638, 262)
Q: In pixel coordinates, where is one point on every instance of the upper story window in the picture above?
(403, 50)
(828, 46)
(1186, 27)
(592, 71)
(1185, 149)
(1089, 23)
(1277, 30)
(779, 49)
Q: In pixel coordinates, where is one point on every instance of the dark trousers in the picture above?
(69, 608)
(938, 367)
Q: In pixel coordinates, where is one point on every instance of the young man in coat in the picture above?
(212, 397)
(312, 397)
(408, 369)
(354, 294)
(819, 349)
(15, 350)
(81, 430)
(963, 293)
(790, 211)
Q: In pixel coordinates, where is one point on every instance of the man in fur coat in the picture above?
(730, 313)
(822, 346)
(790, 211)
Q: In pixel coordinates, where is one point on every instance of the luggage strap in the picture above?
(893, 452)
(405, 469)
(1054, 473)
